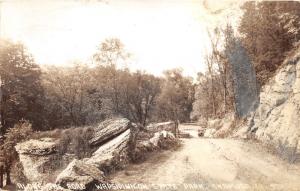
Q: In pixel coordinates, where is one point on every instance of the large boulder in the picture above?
(108, 129)
(161, 136)
(114, 152)
(209, 133)
(160, 140)
(36, 157)
(80, 176)
(226, 126)
(214, 124)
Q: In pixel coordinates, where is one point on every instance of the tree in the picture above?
(20, 132)
(70, 95)
(176, 98)
(243, 75)
(21, 91)
(214, 91)
(109, 55)
(269, 30)
(218, 61)
(140, 94)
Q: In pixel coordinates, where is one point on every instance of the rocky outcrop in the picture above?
(108, 129)
(226, 126)
(209, 133)
(160, 140)
(35, 156)
(41, 147)
(218, 128)
(276, 120)
(116, 149)
(160, 136)
(114, 141)
(80, 176)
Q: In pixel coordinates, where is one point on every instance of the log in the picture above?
(115, 149)
(109, 129)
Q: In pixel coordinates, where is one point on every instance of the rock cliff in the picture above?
(277, 118)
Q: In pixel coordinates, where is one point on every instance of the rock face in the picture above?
(108, 129)
(116, 149)
(80, 176)
(276, 120)
(35, 156)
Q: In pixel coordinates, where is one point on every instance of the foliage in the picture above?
(22, 93)
(111, 52)
(214, 95)
(20, 132)
(141, 94)
(176, 99)
(76, 141)
(269, 31)
(70, 96)
(131, 95)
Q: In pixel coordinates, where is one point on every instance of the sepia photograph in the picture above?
(146, 95)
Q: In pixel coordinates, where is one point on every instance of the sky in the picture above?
(160, 34)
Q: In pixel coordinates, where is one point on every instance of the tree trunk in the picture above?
(8, 180)
(176, 128)
(1, 176)
(134, 131)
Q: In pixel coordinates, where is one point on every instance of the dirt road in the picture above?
(213, 164)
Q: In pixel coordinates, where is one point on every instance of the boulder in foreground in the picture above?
(113, 153)
(36, 157)
(80, 176)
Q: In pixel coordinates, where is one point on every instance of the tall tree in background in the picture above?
(140, 94)
(243, 75)
(214, 91)
(70, 96)
(269, 31)
(22, 93)
(176, 99)
(109, 55)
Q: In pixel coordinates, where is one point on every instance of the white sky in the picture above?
(161, 34)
